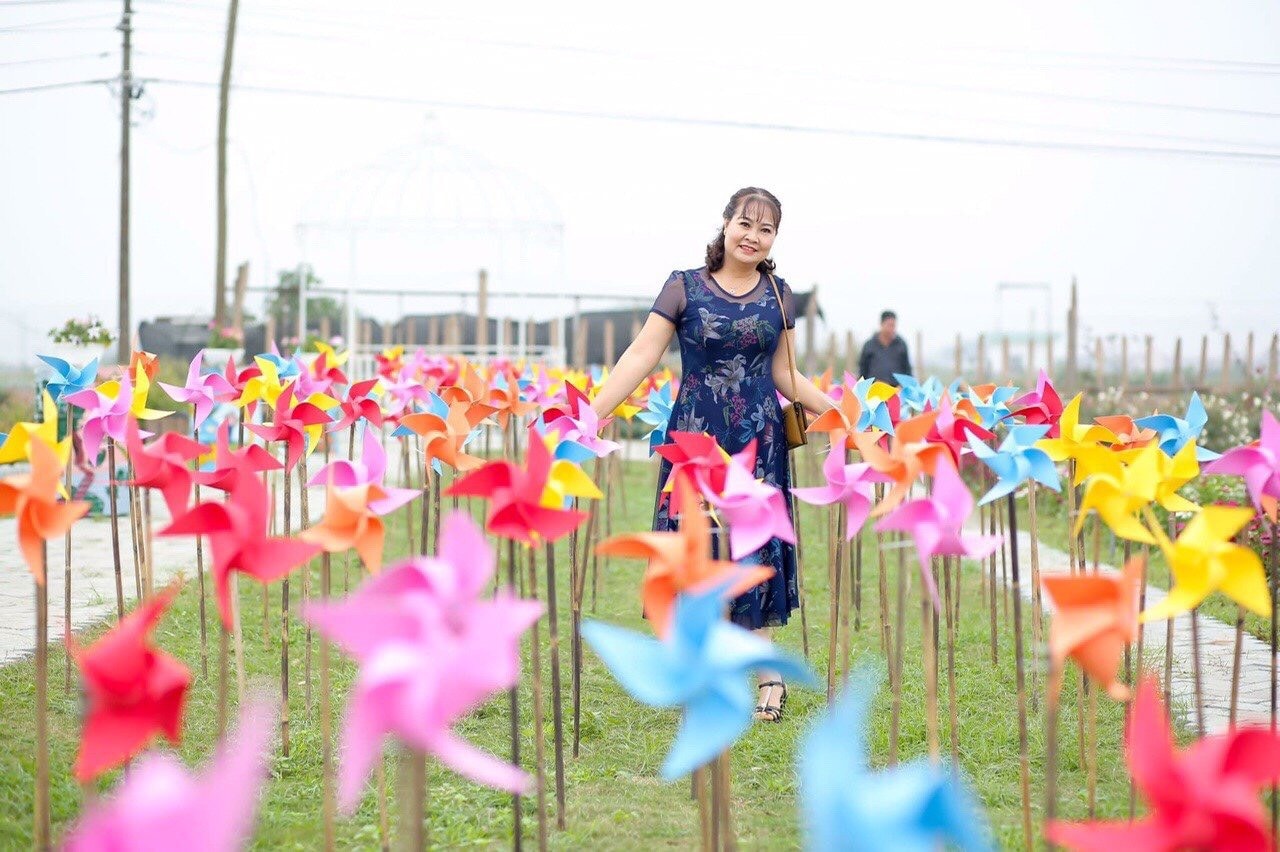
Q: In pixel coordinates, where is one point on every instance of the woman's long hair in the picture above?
(754, 202)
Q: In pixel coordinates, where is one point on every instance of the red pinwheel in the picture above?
(1205, 797)
(698, 455)
(360, 406)
(1040, 407)
(237, 531)
(291, 425)
(952, 432)
(163, 464)
(516, 506)
(229, 463)
(133, 691)
(326, 368)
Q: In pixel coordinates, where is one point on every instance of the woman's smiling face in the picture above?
(749, 234)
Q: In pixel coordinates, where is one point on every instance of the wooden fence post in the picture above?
(1031, 360)
(957, 355)
(981, 369)
(1048, 353)
(1248, 359)
(920, 369)
(1203, 375)
(1005, 371)
(850, 353)
(1177, 364)
(833, 351)
(1273, 361)
(1100, 364)
(1124, 362)
(1146, 363)
(609, 353)
(1224, 380)
(482, 311)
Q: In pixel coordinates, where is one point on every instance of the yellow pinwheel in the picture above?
(1173, 474)
(265, 386)
(1204, 559)
(17, 444)
(1118, 496)
(1080, 442)
(141, 390)
(332, 357)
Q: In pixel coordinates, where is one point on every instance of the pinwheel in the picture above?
(445, 431)
(847, 484)
(1017, 460)
(201, 391)
(1095, 617)
(1203, 797)
(504, 398)
(146, 362)
(877, 401)
(298, 425)
(657, 414)
(350, 522)
(430, 651)
(1040, 407)
(359, 405)
(133, 690)
(754, 511)
(104, 417)
(580, 424)
(230, 464)
(936, 523)
(1259, 464)
(471, 387)
(991, 402)
(915, 807)
(1173, 433)
(1076, 441)
(917, 397)
(328, 364)
(697, 454)
(907, 458)
(566, 479)
(1126, 435)
(69, 379)
(1204, 559)
(1117, 494)
(134, 387)
(953, 432)
(237, 531)
(701, 667)
(846, 417)
(16, 445)
(368, 470)
(163, 465)
(160, 805)
(266, 386)
(389, 361)
(517, 508)
(32, 498)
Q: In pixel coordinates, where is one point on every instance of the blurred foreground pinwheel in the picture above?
(33, 499)
(1259, 464)
(915, 807)
(701, 666)
(1095, 617)
(68, 378)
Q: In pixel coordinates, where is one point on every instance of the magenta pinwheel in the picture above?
(201, 390)
(1259, 464)
(1040, 407)
(294, 425)
(164, 465)
(360, 405)
(368, 470)
(580, 424)
(104, 416)
(851, 485)
(754, 511)
(431, 649)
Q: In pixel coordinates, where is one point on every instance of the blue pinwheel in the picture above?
(1016, 461)
(701, 666)
(994, 410)
(1174, 433)
(917, 397)
(69, 379)
(914, 806)
(657, 413)
(875, 406)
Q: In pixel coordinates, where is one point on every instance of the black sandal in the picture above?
(766, 713)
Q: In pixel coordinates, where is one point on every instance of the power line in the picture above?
(44, 87)
(47, 59)
(38, 25)
(1252, 157)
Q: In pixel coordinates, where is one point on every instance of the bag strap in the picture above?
(786, 338)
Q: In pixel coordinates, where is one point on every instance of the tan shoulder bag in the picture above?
(794, 421)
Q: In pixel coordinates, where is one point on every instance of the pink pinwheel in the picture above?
(229, 464)
(104, 417)
(953, 432)
(754, 511)
(237, 531)
(937, 524)
(697, 454)
(292, 424)
(164, 465)
(580, 424)
(848, 484)
(1202, 797)
(431, 649)
(369, 470)
(1259, 464)
(201, 391)
(360, 405)
(1040, 407)
(160, 805)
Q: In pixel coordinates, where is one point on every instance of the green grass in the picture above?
(615, 799)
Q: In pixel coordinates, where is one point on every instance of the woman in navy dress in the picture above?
(733, 363)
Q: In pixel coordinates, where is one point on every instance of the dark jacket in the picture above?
(878, 361)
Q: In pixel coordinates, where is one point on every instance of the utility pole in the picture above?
(224, 91)
(125, 342)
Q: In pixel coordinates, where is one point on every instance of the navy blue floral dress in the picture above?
(727, 344)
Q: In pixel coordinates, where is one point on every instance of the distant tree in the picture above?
(282, 305)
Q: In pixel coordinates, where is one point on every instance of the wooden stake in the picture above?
(556, 707)
(953, 710)
(284, 627)
(66, 577)
(791, 507)
(513, 705)
(929, 660)
(895, 664)
(535, 665)
(1024, 760)
(40, 831)
(833, 619)
(1195, 669)
(113, 499)
(329, 806)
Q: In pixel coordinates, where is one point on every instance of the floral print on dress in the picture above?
(727, 390)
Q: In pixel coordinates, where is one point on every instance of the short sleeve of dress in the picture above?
(788, 302)
(670, 302)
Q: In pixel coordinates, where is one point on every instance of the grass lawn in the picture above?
(615, 799)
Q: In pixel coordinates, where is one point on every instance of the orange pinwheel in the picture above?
(1126, 434)
(909, 455)
(843, 418)
(1095, 618)
(681, 561)
(348, 523)
(470, 387)
(33, 499)
(504, 398)
(443, 437)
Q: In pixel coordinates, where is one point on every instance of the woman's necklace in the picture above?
(734, 291)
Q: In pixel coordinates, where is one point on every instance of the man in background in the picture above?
(885, 353)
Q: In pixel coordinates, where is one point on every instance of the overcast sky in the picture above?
(974, 144)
